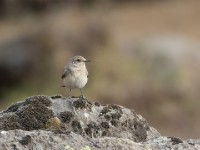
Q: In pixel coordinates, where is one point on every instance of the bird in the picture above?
(75, 74)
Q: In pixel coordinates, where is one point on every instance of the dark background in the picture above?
(145, 55)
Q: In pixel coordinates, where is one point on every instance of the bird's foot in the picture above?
(69, 96)
(81, 96)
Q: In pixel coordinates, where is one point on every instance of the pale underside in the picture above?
(76, 78)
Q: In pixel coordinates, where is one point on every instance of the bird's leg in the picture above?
(69, 93)
(81, 94)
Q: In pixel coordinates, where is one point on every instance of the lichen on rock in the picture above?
(57, 122)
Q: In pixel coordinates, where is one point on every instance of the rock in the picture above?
(57, 122)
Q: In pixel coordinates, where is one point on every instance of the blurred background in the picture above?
(145, 55)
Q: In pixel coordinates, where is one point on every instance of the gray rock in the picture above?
(43, 122)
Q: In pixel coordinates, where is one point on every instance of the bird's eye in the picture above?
(78, 60)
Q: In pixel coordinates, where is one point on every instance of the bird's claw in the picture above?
(81, 96)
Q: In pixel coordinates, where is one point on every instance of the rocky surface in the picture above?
(43, 122)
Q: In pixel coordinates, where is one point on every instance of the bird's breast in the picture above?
(77, 79)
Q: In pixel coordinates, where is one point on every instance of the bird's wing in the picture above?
(87, 74)
(66, 72)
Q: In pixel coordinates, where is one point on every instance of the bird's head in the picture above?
(78, 61)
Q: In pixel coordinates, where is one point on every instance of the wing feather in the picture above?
(66, 72)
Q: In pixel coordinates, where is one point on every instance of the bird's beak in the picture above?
(87, 61)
